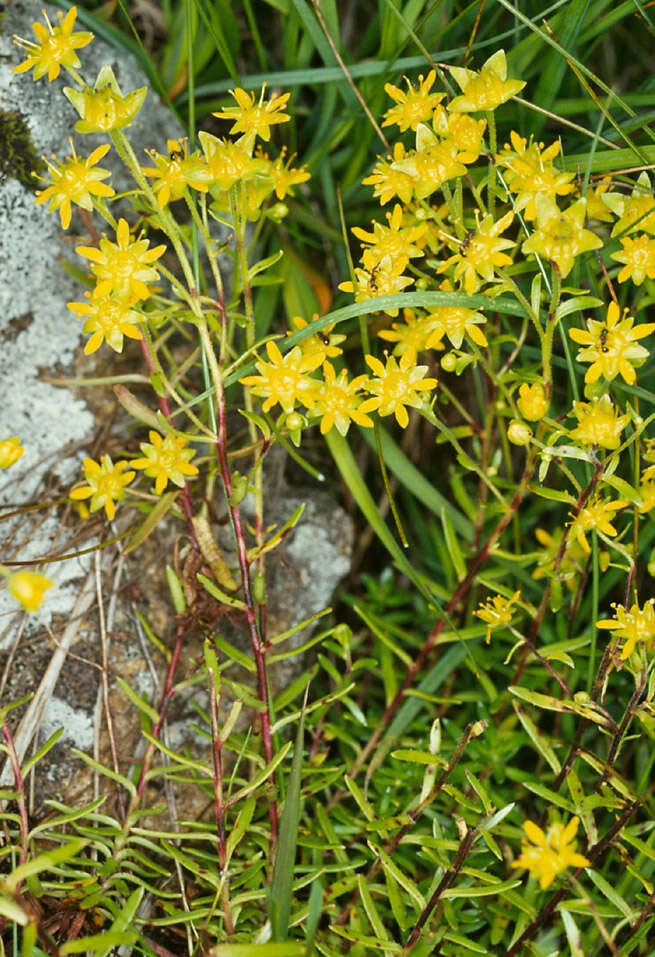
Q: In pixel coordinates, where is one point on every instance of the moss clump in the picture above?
(18, 158)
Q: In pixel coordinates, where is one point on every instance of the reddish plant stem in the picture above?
(167, 694)
(248, 597)
(446, 881)
(20, 788)
(593, 854)
(165, 407)
(650, 903)
(627, 718)
(460, 592)
(217, 745)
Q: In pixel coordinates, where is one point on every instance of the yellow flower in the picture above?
(108, 320)
(124, 267)
(165, 459)
(598, 423)
(560, 235)
(106, 484)
(480, 252)
(413, 107)
(465, 133)
(546, 855)
(103, 107)
(284, 176)
(324, 344)
(229, 163)
(530, 171)
(398, 385)
(636, 211)
(635, 625)
(611, 346)
(638, 254)
(412, 334)
(389, 179)
(430, 167)
(382, 280)
(454, 322)
(396, 241)
(597, 515)
(28, 588)
(337, 400)
(56, 46)
(532, 401)
(497, 612)
(647, 495)
(10, 451)
(175, 172)
(484, 90)
(285, 379)
(254, 118)
(75, 182)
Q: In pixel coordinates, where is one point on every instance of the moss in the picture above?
(18, 158)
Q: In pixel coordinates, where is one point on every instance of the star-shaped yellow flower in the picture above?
(339, 402)
(254, 118)
(10, 451)
(122, 268)
(106, 484)
(75, 182)
(414, 106)
(547, 854)
(638, 254)
(398, 385)
(56, 46)
(637, 624)
(103, 108)
(166, 460)
(497, 612)
(172, 174)
(108, 320)
(484, 90)
(480, 252)
(28, 588)
(397, 241)
(597, 515)
(284, 379)
(611, 346)
(560, 236)
(598, 423)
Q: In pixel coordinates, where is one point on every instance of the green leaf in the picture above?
(101, 942)
(572, 933)
(138, 701)
(280, 895)
(612, 895)
(488, 890)
(452, 545)
(371, 910)
(286, 949)
(42, 862)
(552, 494)
(539, 740)
(152, 521)
(124, 919)
(218, 594)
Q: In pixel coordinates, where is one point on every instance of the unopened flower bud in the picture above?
(519, 433)
(448, 362)
(532, 401)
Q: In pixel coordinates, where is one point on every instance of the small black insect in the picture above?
(373, 283)
(463, 249)
(603, 339)
(176, 155)
(324, 339)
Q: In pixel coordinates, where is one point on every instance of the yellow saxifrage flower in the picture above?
(106, 484)
(480, 252)
(285, 379)
(530, 171)
(122, 268)
(497, 612)
(10, 451)
(28, 588)
(413, 333)
(389, 179)
(398, 385)
(597, 515)
(454, 322)
(166, 459)
(635, 625)
(532, 401)
(103, 108)
(396, 241)
(413, 107)
(547, 854)
(75, 182)
(108, 320)
(636, 211)
(56, 46)
(254, 118)
(462, 132)
(560, 235)
(611, 346)
(339, 402)
(430, 165)
(638, 254)
(598, 423)
(385, 279)
(284, 176)
(172, 174)
(484, 90)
